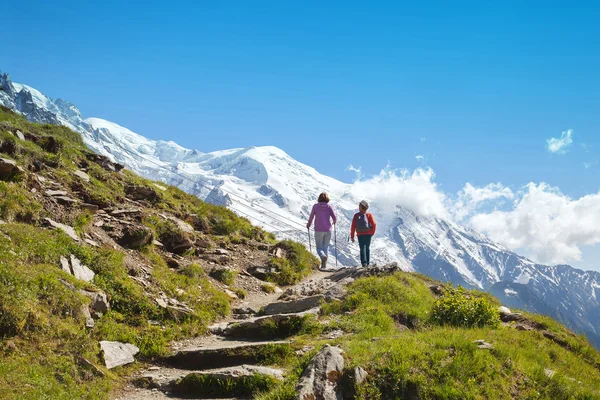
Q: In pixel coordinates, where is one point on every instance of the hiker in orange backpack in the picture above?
(364, 225)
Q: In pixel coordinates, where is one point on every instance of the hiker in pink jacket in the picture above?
(323, 214)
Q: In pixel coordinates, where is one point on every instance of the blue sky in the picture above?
(476, 88)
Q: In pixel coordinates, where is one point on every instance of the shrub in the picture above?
(457, 307)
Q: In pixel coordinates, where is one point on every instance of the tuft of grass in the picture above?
(296, 265)
(224, 275)
(197, 384)
(458, 307)
(268, 288)
(241, 293)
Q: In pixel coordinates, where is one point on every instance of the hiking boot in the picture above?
(364, 265)
(323, 262)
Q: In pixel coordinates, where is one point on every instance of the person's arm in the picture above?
(310, 219)
(353, 227)
(332, 213)
(373, 223)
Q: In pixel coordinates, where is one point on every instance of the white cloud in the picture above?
(548, 225)
(471, 197)
(561, 144)
(415, 190)
(356, 170)
(420, 157)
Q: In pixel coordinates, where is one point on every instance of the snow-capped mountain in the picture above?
(277, 192)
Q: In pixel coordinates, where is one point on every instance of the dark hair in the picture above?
(323, 198)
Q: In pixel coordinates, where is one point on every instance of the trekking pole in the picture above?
(335, 237)
(309, 242)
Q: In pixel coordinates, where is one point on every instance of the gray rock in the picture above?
(360, 375)
(549, 373)
(295, 306)
(481, 344)
(80, 271)
(320, 379)
(20, 135)
(136, 237)
(139, 192)
(99, 301)
(117, 353)
(65, 228)
(53, 193)
(88, 206)
(64, 263)
(89, 321)
(65, 200)
(336, 292)
(504, 310)
(221, 252)
(82, 175)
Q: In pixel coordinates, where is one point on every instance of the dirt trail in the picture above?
(220, 347)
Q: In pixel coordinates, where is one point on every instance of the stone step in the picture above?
(270, 326)
(294, 306)
(238, 381)
(227, 354)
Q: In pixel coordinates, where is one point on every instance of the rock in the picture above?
(65, 228)
(258, 327)
(20, 135)
(117, 353)
(88, 206)
(438, 290)
(82, 175)
(64, 263)
(261, 272)
(320, 379)
(338, 333)
(53, 193)
(222, 354)
(356, 273)
(360, 375)
(225, 379)
(80, 271)
(231, 294)
(177, 243)
(278, 253)
(104, 162)
(99, 301)
(504, 310)
(221, 252)
(336, 292)
(139, 192)
(200, 224)
(244, 311)
(294, 306)
(8, 169)
(160, 187)
(157, 243)
(91, 242)
(203, 243)
(481, 344)
(549, 373)
(65, 200)
(136, 236)
(89, 321)
(126, 212)
(181, 225)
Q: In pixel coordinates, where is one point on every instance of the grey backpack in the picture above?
(362, 223)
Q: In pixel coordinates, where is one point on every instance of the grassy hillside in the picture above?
(170, 265)
(45, 349)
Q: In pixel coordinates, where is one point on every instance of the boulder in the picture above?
(117, 353)
(65, 228)
(320, 379)
(139, 192)
(136, 236)
(200, 224)
(52, 193)
(20, 135)
(8, 169)
(82, 175)
(89, 321)
(504, 310)
(80, 271)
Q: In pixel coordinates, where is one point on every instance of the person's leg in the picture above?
(326, 241)
(368, 248)
(362, 246)
(319, 243)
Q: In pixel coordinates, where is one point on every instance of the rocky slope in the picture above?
(276, 192)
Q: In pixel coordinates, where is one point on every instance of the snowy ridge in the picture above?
(277, 192)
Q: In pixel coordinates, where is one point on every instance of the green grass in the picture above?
(224, 275)
(205, 385)
(297, 264)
